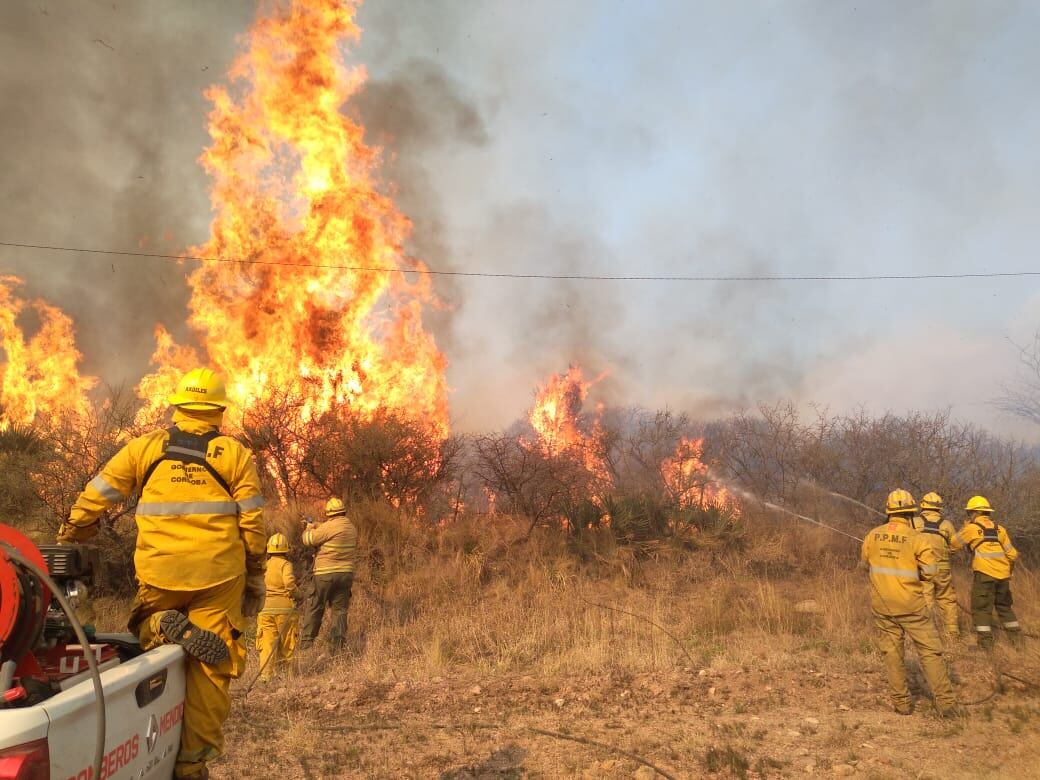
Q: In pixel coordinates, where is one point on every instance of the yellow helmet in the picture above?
(335, 507)
(201, 390)
(900, 502)
(932, 501)
(277, 543)
(979, 504)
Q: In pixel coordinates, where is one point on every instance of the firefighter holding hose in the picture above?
(938, 592)
(899, 559)
(336, 543)
(200, 556)
(992, 561)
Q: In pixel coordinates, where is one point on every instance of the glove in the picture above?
(74, 534)
(253, 598)
(66, 534)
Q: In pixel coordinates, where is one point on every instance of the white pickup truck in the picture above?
(48, 708)
(144, 707)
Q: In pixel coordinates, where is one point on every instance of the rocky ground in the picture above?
(804, 711)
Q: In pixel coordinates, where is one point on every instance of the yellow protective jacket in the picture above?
(336, 540)
(899, 558)
(939, 534)
(280, 584)
(192, 533)
(990, 546)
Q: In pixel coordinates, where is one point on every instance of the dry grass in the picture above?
(435, 602)
(480, 604)
(440, 612)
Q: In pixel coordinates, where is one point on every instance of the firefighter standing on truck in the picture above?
(993, 561)
(199, 560)
(939, 593)
(336, 540)
(899, 558)
(278, 624)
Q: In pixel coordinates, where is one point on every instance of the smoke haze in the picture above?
(599, 137)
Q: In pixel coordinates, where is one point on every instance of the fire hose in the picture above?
(783, 510)
(81, 636)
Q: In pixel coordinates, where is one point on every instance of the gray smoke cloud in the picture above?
(104, 117)
(675, 138)
(412, 111)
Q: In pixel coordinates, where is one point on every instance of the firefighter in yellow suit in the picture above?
(336, 540)
(993, 559)
(938, 592)
(899, 558)
(278, 625)
(200, 551)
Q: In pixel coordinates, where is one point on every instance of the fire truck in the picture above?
(76, 704)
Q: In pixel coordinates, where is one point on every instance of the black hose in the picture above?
(81, 635)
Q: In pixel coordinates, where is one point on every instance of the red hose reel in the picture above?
(23, 598)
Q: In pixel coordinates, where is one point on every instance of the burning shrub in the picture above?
(528, 482)
(275, 430)
(298, 333)
(636, 471)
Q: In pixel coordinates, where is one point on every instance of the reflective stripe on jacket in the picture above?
(899, 558)
(280, 584)
(992, 556)
(336, 540)
(191, 532)
(938, 533)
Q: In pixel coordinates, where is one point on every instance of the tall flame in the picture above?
(557, 420)
(40, 380)
(295, 193)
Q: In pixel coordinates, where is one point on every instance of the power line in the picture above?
(560, 277)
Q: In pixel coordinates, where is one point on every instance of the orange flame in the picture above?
(295, 192)
(687, 479)
(40, 380)
(556, 418)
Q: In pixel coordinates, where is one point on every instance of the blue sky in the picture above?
(611, 137)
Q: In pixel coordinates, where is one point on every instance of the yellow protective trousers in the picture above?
(890, 632)
(942, 600)
(277, 634)
(207, 701)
